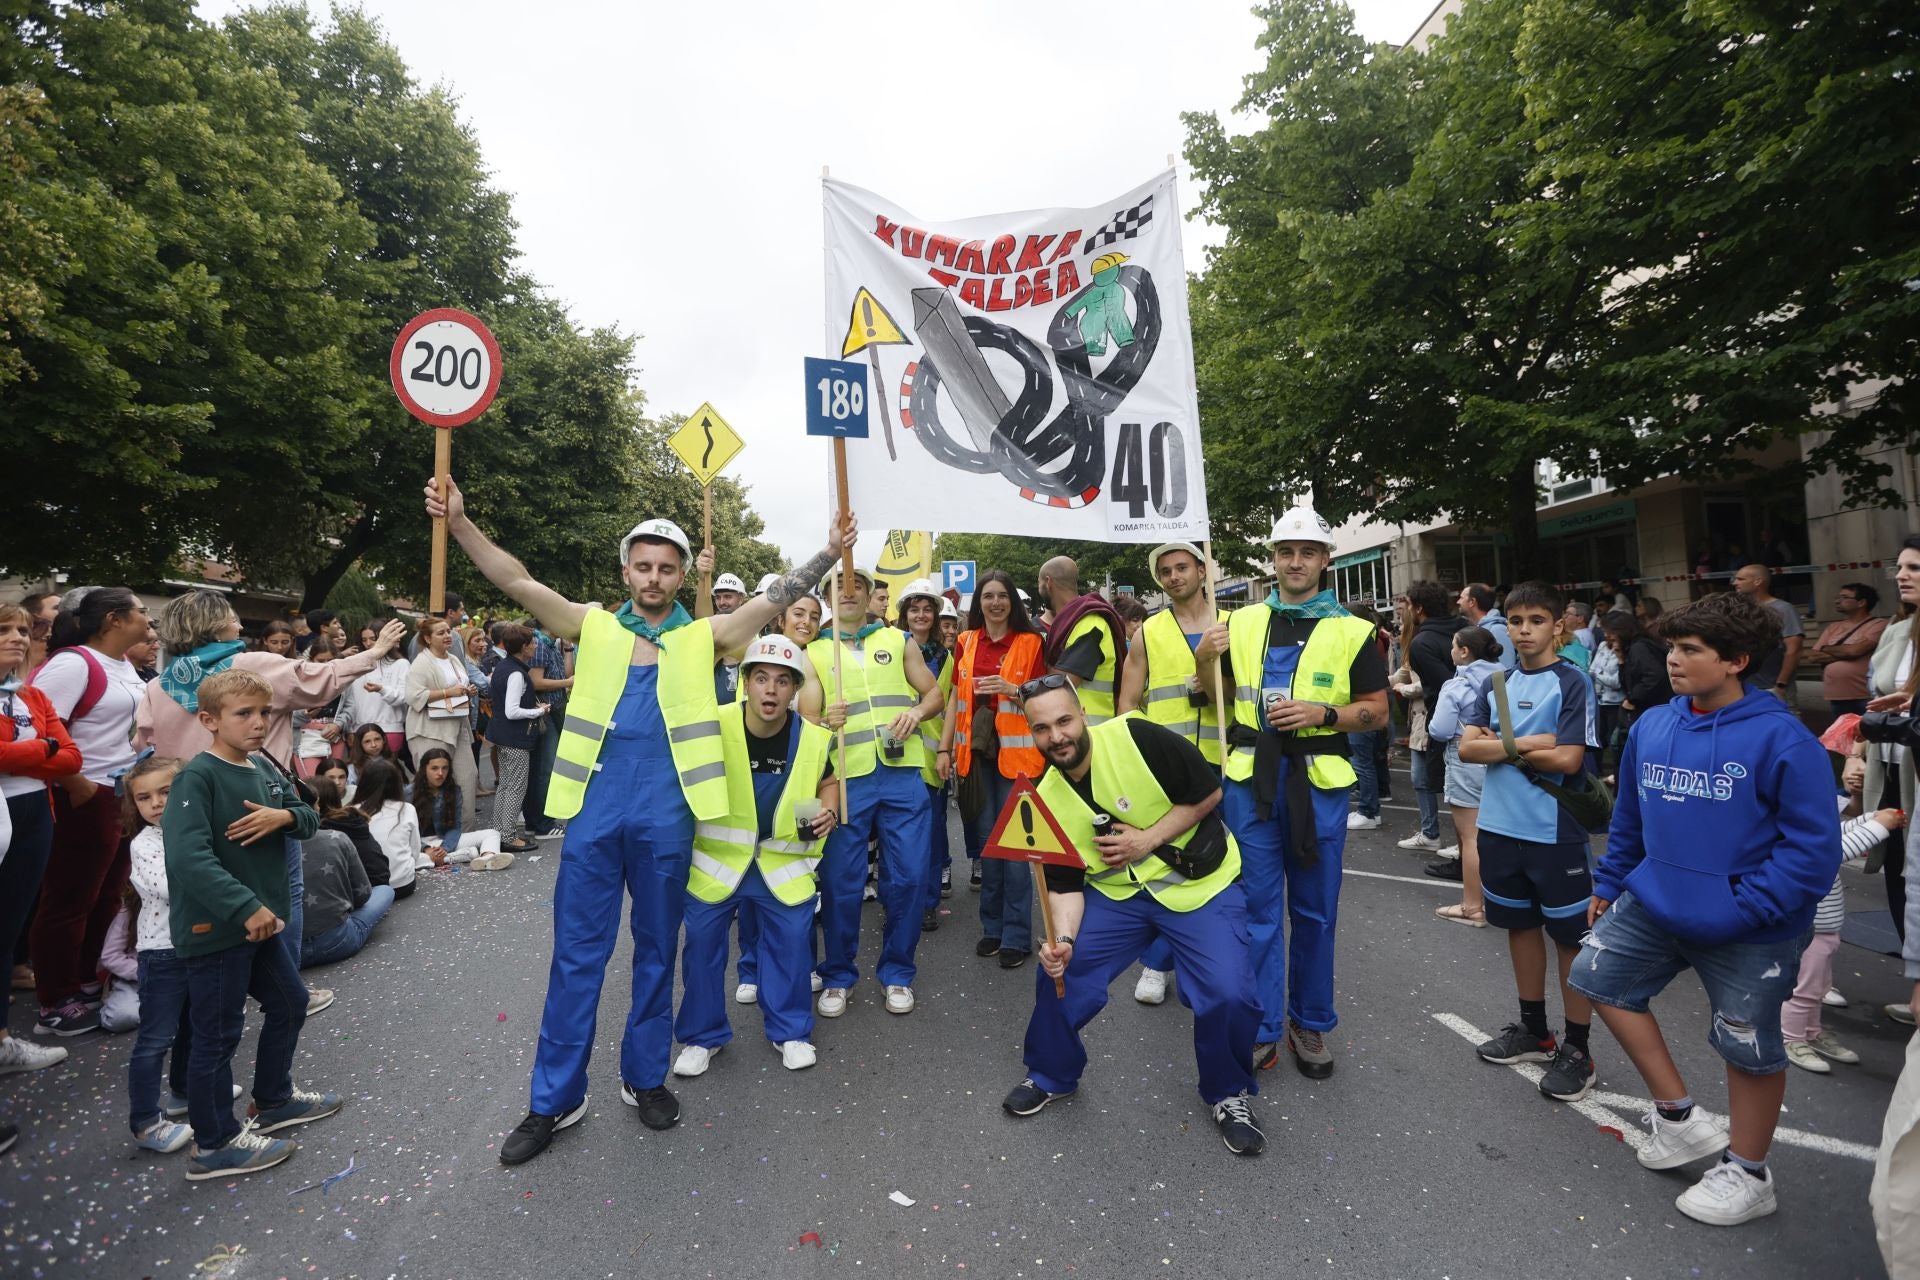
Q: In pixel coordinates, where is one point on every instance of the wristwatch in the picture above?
(1332, 714)
(1064, 940)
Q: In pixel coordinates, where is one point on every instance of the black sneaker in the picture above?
(946, 882)
(1027, 1098)
(1570, 1076)
(659, 1109)
(1238, 1129)
(930, 921)
(1447, 869)
(987, 947)
(9, 1134)
(973, 876)
(1517, 1044)
(1013, 957)
(71, 1017)
(535, 1132)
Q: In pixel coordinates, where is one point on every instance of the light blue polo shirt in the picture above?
(1555, 699)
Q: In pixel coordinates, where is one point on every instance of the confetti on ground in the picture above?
(814, 1236)
(501, 1018)
(1611, 1132)
(326, 1184)
(903, 1200)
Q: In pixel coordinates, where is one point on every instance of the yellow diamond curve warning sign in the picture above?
(869, 325)
(1027, 832)
(706, 443)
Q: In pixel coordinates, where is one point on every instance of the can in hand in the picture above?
(1102, 825)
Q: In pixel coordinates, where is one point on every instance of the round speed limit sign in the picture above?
(445, 367)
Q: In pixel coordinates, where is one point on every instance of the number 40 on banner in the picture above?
(836, 398)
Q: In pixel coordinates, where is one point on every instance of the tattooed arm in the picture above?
(735, 630)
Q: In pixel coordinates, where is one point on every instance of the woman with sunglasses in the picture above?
(985, 742)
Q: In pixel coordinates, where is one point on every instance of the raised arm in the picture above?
(735, 630)
(560, 615)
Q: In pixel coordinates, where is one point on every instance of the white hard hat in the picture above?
(1024, 597)
(1153, 561)
(766, 580)
(947, 609)
(729, 582)
(919, 587)
(776, 651)
(861, 571)
(1301, 524)
(656, 531)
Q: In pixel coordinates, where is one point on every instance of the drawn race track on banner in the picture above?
(1042, 375)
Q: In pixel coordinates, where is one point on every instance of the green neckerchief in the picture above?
(1323, 605)
(182, 676)
(855, 637)
(629, 617)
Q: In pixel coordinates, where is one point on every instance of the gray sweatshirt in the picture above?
(337, 883)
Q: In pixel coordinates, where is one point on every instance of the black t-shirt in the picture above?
(1083, 656)
(770, 755)
(1182, 772)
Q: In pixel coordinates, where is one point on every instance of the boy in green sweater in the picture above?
(225, 828)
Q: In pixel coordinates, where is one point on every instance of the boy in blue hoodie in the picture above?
(1724, 840)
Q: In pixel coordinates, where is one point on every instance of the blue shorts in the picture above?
(1463, 780)
(1629, 959)
(1530, 886)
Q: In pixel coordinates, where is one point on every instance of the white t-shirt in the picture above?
(397, 828)
(105, 734)
(152, 932)
(13, 784)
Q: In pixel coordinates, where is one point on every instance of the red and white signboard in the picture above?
(445, 367)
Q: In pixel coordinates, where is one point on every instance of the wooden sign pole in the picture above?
(442, 466)
(706, 538)
(1223, 709)
(1046, 923)
(840, 483)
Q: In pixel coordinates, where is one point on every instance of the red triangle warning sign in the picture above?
(1027, 832)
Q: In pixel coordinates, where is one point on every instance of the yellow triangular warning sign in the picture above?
(1027, 832)
(869, 325)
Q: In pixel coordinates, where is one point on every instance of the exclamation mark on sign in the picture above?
(866, 313)
(1026, 821)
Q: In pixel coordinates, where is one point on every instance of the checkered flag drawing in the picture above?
(1126, 224)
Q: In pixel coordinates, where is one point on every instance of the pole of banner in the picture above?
(706, 538)
(1046, 923)
(442, 465)
(1222, 708)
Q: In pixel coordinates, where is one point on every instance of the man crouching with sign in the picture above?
(1137, 801)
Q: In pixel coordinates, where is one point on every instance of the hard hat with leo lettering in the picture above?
(775, 651)
(1302, 524)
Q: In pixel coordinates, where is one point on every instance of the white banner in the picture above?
(1032, 372)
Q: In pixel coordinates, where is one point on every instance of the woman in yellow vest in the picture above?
(782, 799)
(1160, 678)
(919, 611)
(986, 734)
(1304, 673)
(1137, 803)
(883, 693)
(638, 762)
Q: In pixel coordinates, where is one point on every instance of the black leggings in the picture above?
(1895, 867)
(20, 873)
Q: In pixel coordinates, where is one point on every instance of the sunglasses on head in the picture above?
(1044, 684)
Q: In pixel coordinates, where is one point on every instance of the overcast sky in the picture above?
(664, 160)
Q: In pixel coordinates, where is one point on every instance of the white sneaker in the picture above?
(1678, 1142)
(1417, 840)
(746, 993)
(1357, 821)
(899, 999)
(693, 1060)
(817, 983)
(1901, 1013)
(558, 833)
(1727, 1196)
(491, 862)
(1152, 987)
(23, 1055)
(1448, 853)
(796, 1055)
(319, 998)
(1805, 1056)
(833, 1002)
(1833, 999)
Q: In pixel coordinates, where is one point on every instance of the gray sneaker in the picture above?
(249, 1152)
(1310, 1052)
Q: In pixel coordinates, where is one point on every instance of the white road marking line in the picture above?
(1594, 1106)
(1429, 881)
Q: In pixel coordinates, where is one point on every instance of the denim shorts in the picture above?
(1463, 780)
(1629, 959)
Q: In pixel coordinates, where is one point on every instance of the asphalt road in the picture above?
(1415, 1159)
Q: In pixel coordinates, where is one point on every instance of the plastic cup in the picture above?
(805, 811)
